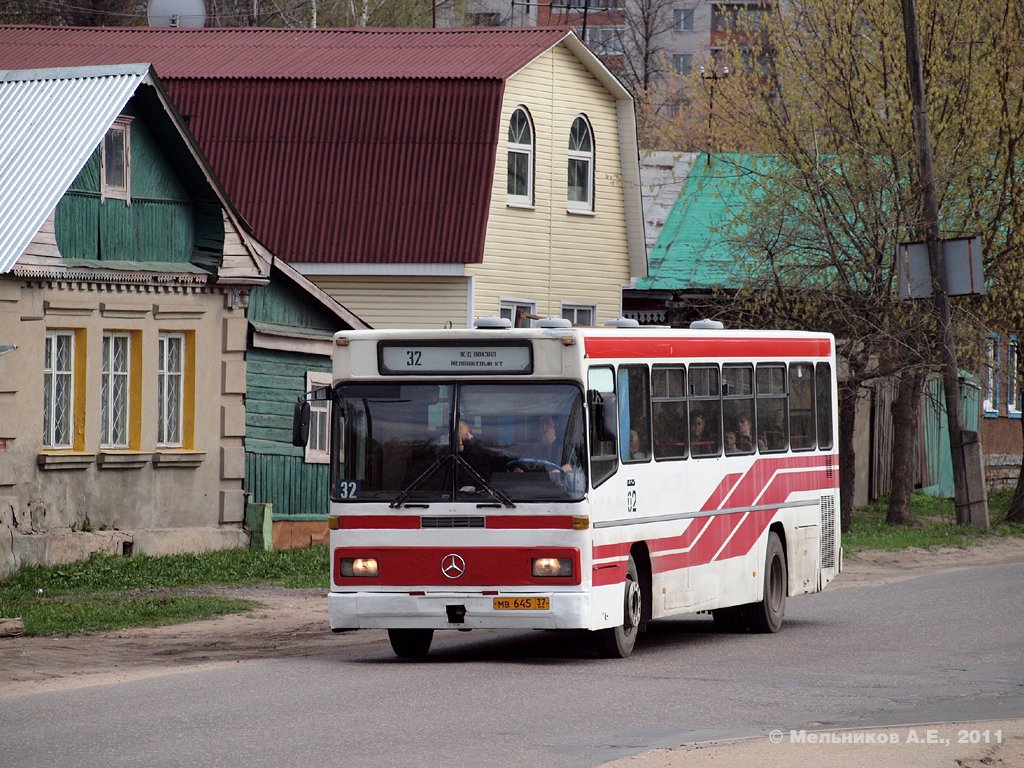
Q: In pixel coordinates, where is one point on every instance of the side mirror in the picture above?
(300, 423)
(605, 414)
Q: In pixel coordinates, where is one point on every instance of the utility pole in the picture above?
(712, 78)
(971, 505)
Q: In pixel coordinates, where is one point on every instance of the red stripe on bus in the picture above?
(705, 537)
(750, 530)
(415, 567)
(632, 347)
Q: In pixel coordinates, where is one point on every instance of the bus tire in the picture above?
(410, 643)
(766, 616)
(617, 642)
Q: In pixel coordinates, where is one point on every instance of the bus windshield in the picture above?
(500, 443)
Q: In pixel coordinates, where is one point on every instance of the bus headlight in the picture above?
(359, 566)
(552, 566)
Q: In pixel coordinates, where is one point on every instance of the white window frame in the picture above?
(579, 155)
(990, 391)
(508, 308)
(115, 400)
(59, 431)
(1013, 392)
(170, 421)
(571, 312)
(318, 446)
(684, 19)
(122, 127)
(682, 63)
(521, 148)
(605, 40)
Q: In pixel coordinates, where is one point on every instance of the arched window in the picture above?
(581, 166)
(520, 158)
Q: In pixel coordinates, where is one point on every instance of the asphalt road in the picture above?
(942, 647)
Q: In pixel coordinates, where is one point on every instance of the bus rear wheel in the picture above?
(766, 616)
(410, 643)
(617, 642)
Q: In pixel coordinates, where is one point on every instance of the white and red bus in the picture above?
(578, 478)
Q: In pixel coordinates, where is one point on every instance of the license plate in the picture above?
(522, 603)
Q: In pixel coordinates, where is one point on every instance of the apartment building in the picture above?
(643, 41)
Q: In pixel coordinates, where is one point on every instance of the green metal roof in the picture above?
(692, 252)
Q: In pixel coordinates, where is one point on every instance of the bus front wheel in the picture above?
(617, 642)
(410, 643)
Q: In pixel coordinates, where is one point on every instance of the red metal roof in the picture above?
(337, 146)
(250, 53)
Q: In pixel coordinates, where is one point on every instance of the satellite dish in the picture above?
(186, 14)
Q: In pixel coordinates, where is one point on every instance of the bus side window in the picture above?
(772, 418)
(823, 398)
(705, 411)
(668, 404)
(738, 408)
(634, 410)
(801, 407)
(604, 460)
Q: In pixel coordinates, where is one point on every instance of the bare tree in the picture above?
(825, 215)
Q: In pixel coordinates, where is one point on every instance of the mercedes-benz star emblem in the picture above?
(453, 566)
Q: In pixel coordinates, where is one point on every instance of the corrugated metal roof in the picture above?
(51, 121)
(693, 251)
(247, 53)
(393, 165)
(339, 146)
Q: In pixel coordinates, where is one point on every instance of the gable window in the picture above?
(581, 166)
(59, 389)
(115, 161)
(520, 158)
(684, 19)
(579, 314)
(519, 313)
(318, 447)
(114, 388)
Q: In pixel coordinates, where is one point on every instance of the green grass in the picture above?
(933, 524)
(109, 592)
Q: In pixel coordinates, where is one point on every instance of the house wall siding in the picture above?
(276, 472)
(151, 494)
(544, 252)
(402, 301)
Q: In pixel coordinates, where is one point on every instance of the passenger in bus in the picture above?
(703, 442)
(730, 443)
(744, 439)
(634, 446)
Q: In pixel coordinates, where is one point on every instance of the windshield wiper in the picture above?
(400, 498)
(478, 478)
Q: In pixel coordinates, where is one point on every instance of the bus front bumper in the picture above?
(457, 610)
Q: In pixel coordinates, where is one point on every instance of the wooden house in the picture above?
(125, 281)
(423, 177)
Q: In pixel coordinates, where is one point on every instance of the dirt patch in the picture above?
(287, 623)
(293, 623)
